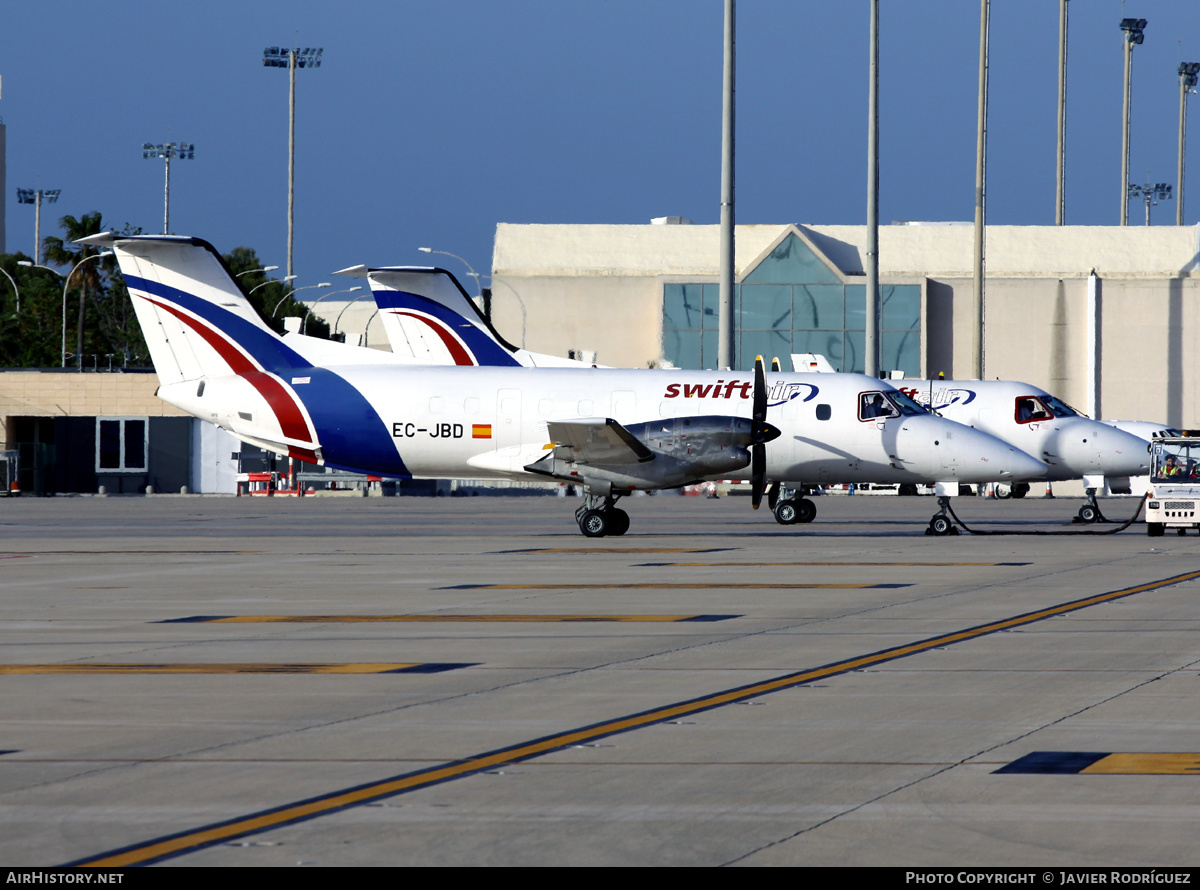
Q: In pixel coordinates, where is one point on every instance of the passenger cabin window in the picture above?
(824, 412)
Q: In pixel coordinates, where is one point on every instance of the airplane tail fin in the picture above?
(429, 319)
(196, 321)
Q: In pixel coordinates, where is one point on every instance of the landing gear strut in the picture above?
(1090, 512)
(790, 508)
(941, 523)
(598, 516)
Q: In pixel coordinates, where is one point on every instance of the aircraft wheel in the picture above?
(1088, 513)
(1003, 492)
(806, 510)
(1155, 529)
(786, 512)
(1020, 489)
(618, 521)
(907, 490)
(594, 524)
(940, 525)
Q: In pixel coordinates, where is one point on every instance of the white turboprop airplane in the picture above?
(1072, 446)
(612, 431)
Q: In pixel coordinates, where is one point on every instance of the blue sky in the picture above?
(430, 122)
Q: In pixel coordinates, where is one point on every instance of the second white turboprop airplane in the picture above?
(1072, 446)
(612, 431)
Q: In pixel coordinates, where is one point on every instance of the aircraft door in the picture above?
(624, 407)
(508, 418)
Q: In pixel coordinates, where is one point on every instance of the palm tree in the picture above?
(65, 252)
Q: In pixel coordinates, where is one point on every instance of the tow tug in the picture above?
(1174, 493)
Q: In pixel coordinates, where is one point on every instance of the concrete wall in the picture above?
(618, 318)
(71, 394)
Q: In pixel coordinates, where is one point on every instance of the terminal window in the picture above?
(793, 302)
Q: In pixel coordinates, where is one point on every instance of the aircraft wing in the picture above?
(597, 441)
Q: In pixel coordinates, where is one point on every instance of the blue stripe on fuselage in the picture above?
(350, 432)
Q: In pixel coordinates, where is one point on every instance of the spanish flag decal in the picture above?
(481, 431)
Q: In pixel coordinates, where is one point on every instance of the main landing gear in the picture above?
(599, 516)
(941, 524)
(790, 509)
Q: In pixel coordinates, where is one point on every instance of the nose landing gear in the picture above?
(1090, 512)
(941, 524)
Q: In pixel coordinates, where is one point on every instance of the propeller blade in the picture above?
(775, 364)
(760, 391)
(773, 495)
(758, 472)
(761, 434)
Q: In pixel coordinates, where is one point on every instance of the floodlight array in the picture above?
(30, 196)
(182, 150)
(279, 57)
(1133, 29)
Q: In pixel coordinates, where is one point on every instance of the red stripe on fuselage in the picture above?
(457, 351)
(287, 412)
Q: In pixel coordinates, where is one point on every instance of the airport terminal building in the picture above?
(1104, 317)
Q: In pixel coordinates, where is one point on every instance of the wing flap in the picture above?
(596, 441)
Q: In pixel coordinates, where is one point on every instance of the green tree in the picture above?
(268, 296)
(91, 276)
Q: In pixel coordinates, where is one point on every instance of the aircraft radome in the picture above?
(611, 431)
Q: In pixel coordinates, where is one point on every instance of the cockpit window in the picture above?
(908, 406)
(1030, 409)
(872, 405)
(1059, 408)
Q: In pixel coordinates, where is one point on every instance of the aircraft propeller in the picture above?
(761, 433)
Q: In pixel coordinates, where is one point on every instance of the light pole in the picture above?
(15, 291)
(1060, 203)
(304, 324)
(727, 328)
(978, 341)
(871, 333)
(1132, 29)
(338, 320)
(1152, 192)
(1188, 74)
(295, 289)
(168, 150)
(271, 281)
(291, 59)
(263, 269)
(474, 274)
(35, 197)
(66, 284)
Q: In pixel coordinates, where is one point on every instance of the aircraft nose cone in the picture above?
(1006, 462)
(943, 449)
(1095, 448)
